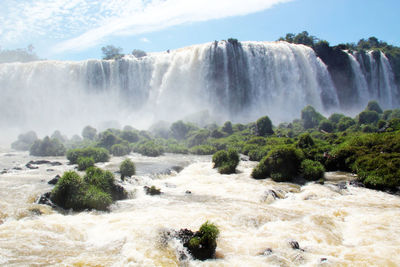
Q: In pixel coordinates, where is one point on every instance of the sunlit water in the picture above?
(334, 227)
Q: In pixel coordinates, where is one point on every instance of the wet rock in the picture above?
(35, 211)
(50, 170)
(202, 252)
(17, 168)
(187, 192)
(178, 169)
(342, 185)
(356, 183)
(30, 166)
(152, 190)
(119, 193)
(55, 163)
(266, 252)
(323, 260)
(272, 195)
(39, 162)
(54, 180)
(45, 200)
(294, 244)
(4, 171)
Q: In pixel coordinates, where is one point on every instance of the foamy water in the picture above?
(333, 226)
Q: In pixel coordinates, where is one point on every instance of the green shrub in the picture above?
(281, 164)
(374, 106)
(107, 139)
(368, 117)
(305, 141)
(326, 125)
(149, 148)
(89, 133)
(264, 126)
(127, 168)
(69, 191)
(345, 123)
(259, 153)
(335, 117)
(198, 138)
(310, 117)
(226, 161)
(24, 141)
(312, 170)
(202, 150)
(47, 147)
(130, 136)
(97, 199)
(120, 150)
(95, 190)
(208, 233)
(98, 154)
(85, 162)
(227, 127)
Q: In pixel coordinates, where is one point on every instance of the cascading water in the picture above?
(374, 78)
(232, 80)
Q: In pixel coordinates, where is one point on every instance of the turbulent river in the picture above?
(333, 225)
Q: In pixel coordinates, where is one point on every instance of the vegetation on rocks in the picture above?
(226, 161)
(96, 190)
(127, 168)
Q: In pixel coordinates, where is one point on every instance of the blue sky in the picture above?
(77, 29)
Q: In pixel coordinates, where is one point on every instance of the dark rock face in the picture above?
(30, 164)
(119, 193)
(54, 180)
(45, 200)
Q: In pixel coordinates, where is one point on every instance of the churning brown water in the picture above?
(334, 226)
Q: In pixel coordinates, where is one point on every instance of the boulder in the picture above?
(54, 180)
(118, 193)
(45, 200)
(152, 190)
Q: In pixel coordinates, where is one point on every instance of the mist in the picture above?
(228, 80)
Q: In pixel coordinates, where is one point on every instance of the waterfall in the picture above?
(374, 78)
(238, 81)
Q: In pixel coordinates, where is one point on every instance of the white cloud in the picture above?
(80, 24)
(144, 40)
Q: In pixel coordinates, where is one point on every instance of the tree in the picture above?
(264, 126)
(89, 132)
(111, 52)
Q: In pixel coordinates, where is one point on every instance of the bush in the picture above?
(47, 147)
(281, 164)
(24, 141)
(130, 136)
(107, 139)
(310, 117)
(127, 168)
(97, 199)
(89, 133)
(202, 150)
(69, 191)
(335, 117)
(312, 170)
(150, 149)
(374, 106)
(98, 154)
(305, 141)
(345, 123)
(368, 117)
(227, 127)
(85, 162)
(120, 150)
(202, 244)
(226, 161)
(326, 125)
(264, 126)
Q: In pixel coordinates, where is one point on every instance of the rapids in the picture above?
(334, 225)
